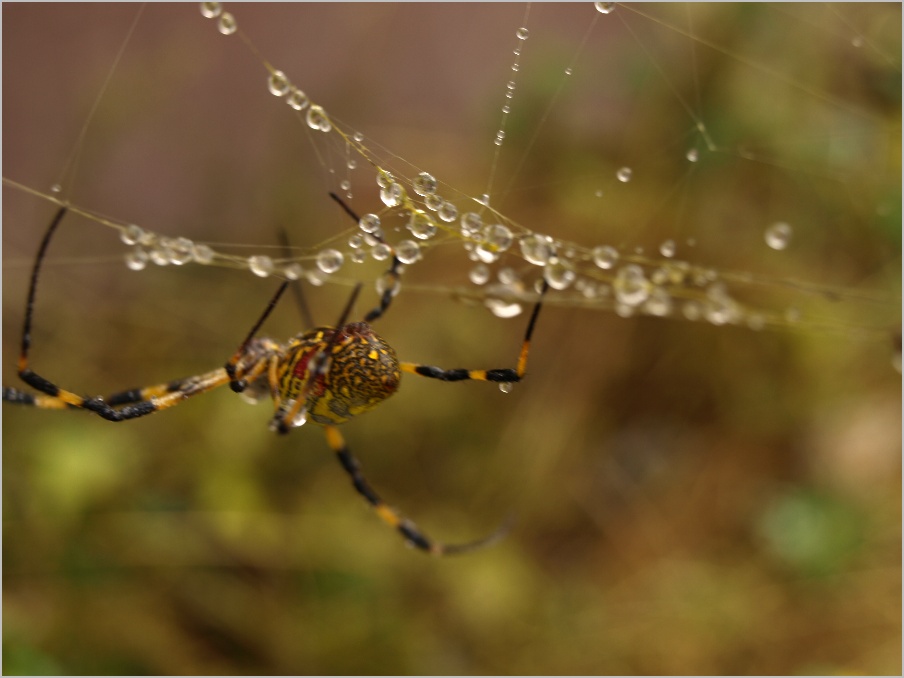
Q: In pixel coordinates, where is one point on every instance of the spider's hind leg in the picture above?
(409, 531)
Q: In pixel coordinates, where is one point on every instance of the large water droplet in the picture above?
(131, 234)
(278, 84)
(260, 265)
(421, 225)
(448, 212)
(226, 24)
(522, 33)
(479, 274)
(667, 248)
(558, 274)
(778, 235)
(202, 254)
(424, 184)
(136, 259)
(297, 99)
(317, 119)
(211, 10)
(329, 260)
(605, 256)
(408, 251)
(393, 195)
(624, 174)
(471, 223)
(498, 237)
(369, 223)
(537, 248)
(604, 7)
(631, 285)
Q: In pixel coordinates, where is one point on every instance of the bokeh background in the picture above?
(689, 498)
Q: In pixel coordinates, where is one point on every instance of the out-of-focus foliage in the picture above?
(689, 498)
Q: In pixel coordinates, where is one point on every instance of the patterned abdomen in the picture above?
(363, 371)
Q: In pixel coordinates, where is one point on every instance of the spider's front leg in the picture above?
(503, 375)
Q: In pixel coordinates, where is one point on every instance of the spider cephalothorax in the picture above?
(363, 371)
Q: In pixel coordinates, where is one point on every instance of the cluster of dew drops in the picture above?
(631, 284)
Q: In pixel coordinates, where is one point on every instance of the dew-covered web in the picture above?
(732, 165)
(705, 451)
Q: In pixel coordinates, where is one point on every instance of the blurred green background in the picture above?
(690, 499)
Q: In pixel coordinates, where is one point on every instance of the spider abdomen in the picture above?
(363, 371)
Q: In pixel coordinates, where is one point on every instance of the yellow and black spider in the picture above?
(327, 375)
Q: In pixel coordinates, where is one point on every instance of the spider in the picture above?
(327, 375)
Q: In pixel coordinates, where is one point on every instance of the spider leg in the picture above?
(393, 273)
(391, 517)
(123, 405)
(504, 375)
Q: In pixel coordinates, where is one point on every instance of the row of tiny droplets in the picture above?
(637, 285)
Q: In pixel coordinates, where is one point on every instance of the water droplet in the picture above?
(692, 310)
(510, 85)
(211, 10)
(522, 33)
(506, 386)
(131, 234)
(136, 259)
(329, 260)
(604, 7)
(297, 99)
(857, 41)
(369, 223)
(515, 67)
(692, 155)
(484, 253)
(605, 256)
(507, 276)
(260, 265)
(202, 254)
(380, 251)
(667, 248)
(424, 184)
(631, 285)
(159, 254)
(498, 236)
(537, 248)
(778, 235)
(659, 303)
(558, 274)
(506, 109)
(433, 201)
(292, 271)
(56, 188)
(408, 251)
(471, 223)
(448, 212)
(720, 308)
(355, 241)
(226, 25)
(568, 71)
(317, 119)
(393, 195)
(181, 251)
(479, 274)
(421, 225)
(484, 199)
(624, 174)
(278, 84)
